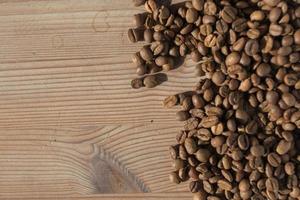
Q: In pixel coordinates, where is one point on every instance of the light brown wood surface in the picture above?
(70, 125)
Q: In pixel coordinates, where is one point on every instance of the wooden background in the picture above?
(70, 125)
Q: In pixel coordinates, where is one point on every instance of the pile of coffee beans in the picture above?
(241, 132)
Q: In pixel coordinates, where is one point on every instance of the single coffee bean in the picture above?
(272, 184)
(222, 27)
(191, 15)
(272, 97)
(275, 30)
(257, 15)
(190, 145)
(204, 134)
(253, 33)
(224, 184)
(244, 185)
(178, 164)
(228, 14)
(210, 40)
(173, 150)
(217, 141)
(137, 83)
(297, 37)
(196, 56)
(151, 6)
(209, 121)
(263, 70)
(170, 101)
(239, 25)
(288, 99)
(150, 81)
(218, 78)
(201, 195)
(243, 142)
(239, 44)
(182, 115)
(202, 155)
(174, 178)
(140, 18)
(232, 58)
(274, 159)
(251, 47)
(283, 147)
(289, 168)
(146, 53)
(182, 153)
(257, 150)
(210, 8)
(198, 101)
(195, 186)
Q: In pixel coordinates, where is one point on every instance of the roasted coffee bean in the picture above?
(209, 121)
(274, 159)
(283, 147)
(182, 115)
(190, 145)
(174, 178)
(150, 81)
(170, 101)
(137, 83)
(203, 155)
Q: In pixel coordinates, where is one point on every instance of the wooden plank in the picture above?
(61, 162)
(68, 62)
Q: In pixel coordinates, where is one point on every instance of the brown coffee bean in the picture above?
(187, 29)
(187, 103)
(178, 164)
(182, 115)
(182, 153)
(232, 58)
(218, 78)
(274, 159)
(253, 33)
(297, 37)
(209, 121)
(217, 141)
(137, 83)
(198, 101)
(170, 101)
(290, 79)
(204, 134)
(289, 168)
(150, 81)
(195, 112)
(173, 150)
(242, 116)
(272, 97)
(283, 147)
(257, 15)
(137, 59)
(201, 195)
(151, 6)
(210, 8)
(190, 145)
(288, 99)
(228, 14)
(191, 15)
(239, 25)
(243, 142)
(146, 53)
(239, 44)
(174, 178)
(272, 184)
(210, 40)
(202, 155)
(224, 184)
(257, 150)
(244, 185)
(222, 27)
(275, 30)
(251, 47)
(245, 85)
(263, 70)
(195, 186)
(251, 127)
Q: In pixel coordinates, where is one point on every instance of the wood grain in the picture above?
(67, 62)
(70, 125)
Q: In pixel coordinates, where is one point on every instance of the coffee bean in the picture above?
(283, 147)
(272, 184)
(180, 137)
(170, 101)
(228, 14)
(217, 141)
(209, 121)
(210, 40)
(289, 168)
(224, 184)
(195, 186)
(196, 56)
(244, 185)
(257, 15)
(190, 145)
(202, 155)
(222, 27)
(275, 30)
(274, 159)
(151, 6)
(210, 8)
(150, 81)
(251, 47)
(191, 15)
(204, 134)
(146, 53)
(243, 142)
(178, 164)
(253, 33)
(182, 115)
(257, 150)
(263, 69)
(239, 25)
(174, 178)
(137, 83)
(288, 99)
(201, 195)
